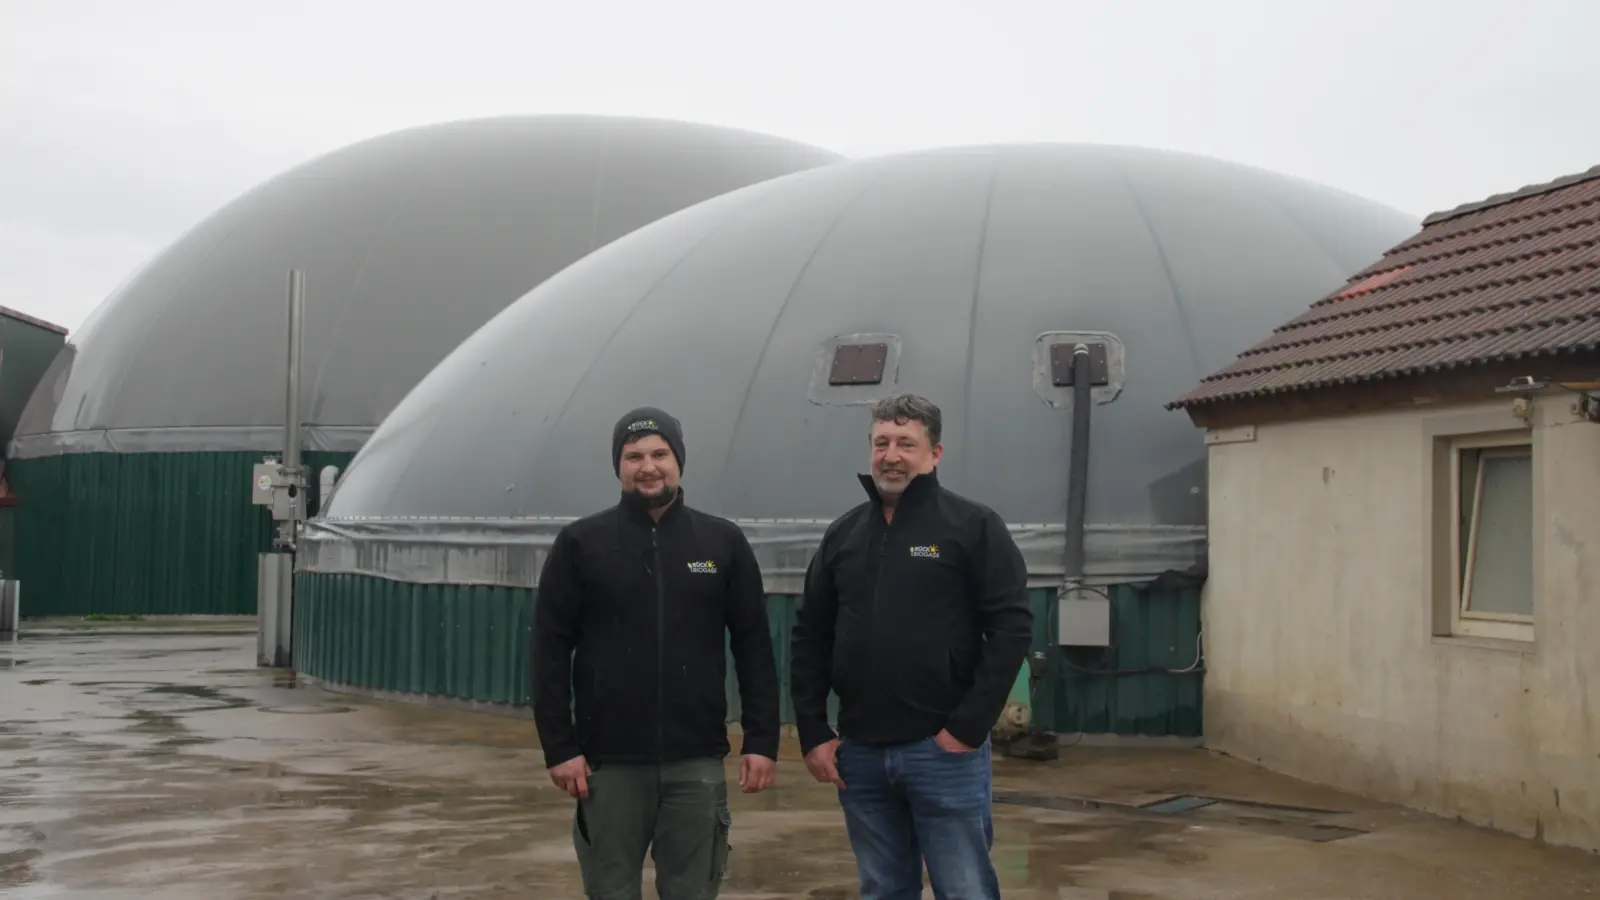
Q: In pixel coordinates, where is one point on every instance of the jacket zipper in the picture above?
(661, 643)
(877, 610)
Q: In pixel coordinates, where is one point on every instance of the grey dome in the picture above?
(723, 315)
(410, 241)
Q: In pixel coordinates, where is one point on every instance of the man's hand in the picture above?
(756, 773)
(572, 776)
(948, 741)
(822, 761)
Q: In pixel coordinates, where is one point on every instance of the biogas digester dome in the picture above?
(966, 264)
(132, 462)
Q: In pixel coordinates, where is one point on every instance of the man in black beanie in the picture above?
(642, 421)
(634, 607)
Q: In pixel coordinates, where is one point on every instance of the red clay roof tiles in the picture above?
(1512, 276)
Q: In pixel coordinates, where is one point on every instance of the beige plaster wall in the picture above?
(1322, 655)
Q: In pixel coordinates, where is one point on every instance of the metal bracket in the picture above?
(1061, 365)
(1052, 366)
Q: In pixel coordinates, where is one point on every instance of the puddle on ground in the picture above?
(152, 692)
(306, 709)
(412, 802)
(219, 700)
(16, 868)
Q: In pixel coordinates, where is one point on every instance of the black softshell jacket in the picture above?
(634, 618)
(918, 625)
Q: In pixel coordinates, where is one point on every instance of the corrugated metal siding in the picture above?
(781, 612)
(458, 641)
(140, 533)
(1151, 629)
(8, 538)
(471, 643)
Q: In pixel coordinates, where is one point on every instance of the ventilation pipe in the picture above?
(281, 486)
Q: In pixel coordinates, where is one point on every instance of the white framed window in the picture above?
(1492, 541)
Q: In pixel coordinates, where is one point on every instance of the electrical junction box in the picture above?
(1084, 619)
(273, 487)
(264, 478)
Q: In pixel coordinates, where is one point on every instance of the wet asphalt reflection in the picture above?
(144, 762)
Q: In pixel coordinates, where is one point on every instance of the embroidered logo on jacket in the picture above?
(709, 567)
(926, 551)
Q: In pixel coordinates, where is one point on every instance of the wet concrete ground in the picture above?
(148, 763)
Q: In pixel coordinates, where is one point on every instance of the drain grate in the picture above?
(1301, 822)
(1182, 803)
(1047, 801)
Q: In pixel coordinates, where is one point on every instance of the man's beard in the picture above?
(656, 501)
(888, 488)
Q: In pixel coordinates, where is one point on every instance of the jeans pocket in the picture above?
(941, 749)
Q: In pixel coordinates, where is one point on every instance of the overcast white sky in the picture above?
(124, 122)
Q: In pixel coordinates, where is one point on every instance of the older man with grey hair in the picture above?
(916, 615)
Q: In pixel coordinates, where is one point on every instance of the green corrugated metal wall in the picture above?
(140, 533)
(8, 538)
(1152, 630)
(471, 643)
(459, 641)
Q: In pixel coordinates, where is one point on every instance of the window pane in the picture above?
(1467, 488)
(1502, 567)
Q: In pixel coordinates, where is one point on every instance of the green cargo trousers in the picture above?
(678, 810)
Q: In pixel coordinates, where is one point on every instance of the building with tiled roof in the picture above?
(1514, 279)
(1404, 540)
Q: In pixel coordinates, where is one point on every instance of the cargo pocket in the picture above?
(720, 848)
(580, 826)
(583, 844)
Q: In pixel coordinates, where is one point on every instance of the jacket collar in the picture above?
(634, 510)
(920, 489)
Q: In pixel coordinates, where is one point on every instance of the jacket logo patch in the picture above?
(926, 551)
(708, 567)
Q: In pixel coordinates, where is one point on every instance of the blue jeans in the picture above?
(907, 803)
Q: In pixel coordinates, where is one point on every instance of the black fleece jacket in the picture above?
(918, 625)
(633, 617)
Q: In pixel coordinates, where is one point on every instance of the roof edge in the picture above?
(31, 320)
(1522, 193)
(1189, 402)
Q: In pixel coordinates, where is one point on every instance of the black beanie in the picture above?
(646, 420)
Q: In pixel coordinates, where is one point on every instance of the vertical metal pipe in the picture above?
(288, 528)
(291, 418)
(1078, 469)
(278, 629)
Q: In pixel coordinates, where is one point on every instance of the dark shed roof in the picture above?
(28, 345)
(1514, 276)
(20, 316)
(409, 242)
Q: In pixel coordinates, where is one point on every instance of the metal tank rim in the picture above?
(509, 552)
